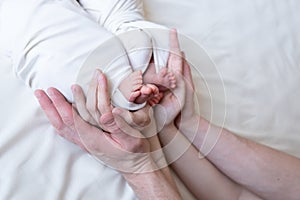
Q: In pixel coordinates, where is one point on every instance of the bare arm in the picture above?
(267, 172)
(203, 179)
(152, 185)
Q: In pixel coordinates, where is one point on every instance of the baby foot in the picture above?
(134, 90)
(155, 99)
(165, 78)
(148, 91)
(131, 85)
(162, 78)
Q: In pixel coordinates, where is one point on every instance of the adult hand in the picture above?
(180, 99)
(120, 146)
(187, 113)
(91, 109)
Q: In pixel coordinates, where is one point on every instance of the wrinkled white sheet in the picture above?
(255, 46)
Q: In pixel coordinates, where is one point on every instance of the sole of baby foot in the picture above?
(164, 78)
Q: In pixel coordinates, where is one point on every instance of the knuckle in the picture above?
(68, 121)
(59, 126)
(56, 122)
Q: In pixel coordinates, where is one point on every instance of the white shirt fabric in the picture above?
(42, 38)
(43, 41)
(44, 48)
(49, 43)
(119, 16)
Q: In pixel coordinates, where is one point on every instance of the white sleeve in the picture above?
(49, 41)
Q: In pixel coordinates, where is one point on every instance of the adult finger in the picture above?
(138, 119)
(80, 103)
(117, 126)
(103, 97)
(189, 105)
(91, 99)
(94, 140)
(174, 43)
(55, 119)
(175, 60)
(187, 73)
(117, 149)
(63, 107)
(49, 109)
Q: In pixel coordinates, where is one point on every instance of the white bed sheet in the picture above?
(255, 45)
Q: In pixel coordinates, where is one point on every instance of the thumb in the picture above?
(187, 73)
(126, 128)
(91, 138)
(127, 137)
(138, 119)
(117, 126)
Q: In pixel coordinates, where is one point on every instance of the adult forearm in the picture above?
(269, 173)
(203, 179)
(151, 185)
(160, 160)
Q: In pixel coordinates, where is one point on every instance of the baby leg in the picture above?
(121, 16)
(138, 45)
(139, 50)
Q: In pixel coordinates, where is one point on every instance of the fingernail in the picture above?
(50, 92)
(95, 74)
(100, 76)
(37, 94)
(73, 88)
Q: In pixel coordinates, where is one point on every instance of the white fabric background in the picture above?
(255, 45)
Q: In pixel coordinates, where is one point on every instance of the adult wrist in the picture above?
(168, 128)
(133, 175)
(194, 129)
(188, 124)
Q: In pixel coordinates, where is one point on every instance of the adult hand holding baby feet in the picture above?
(174, 99)
(91, 108)
(148, 87)
(117, 144)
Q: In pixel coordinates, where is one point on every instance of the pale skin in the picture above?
(273, 174)
(140, 88)
(96, 112)
(90, 110)
(256, 171)
(117, 142)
